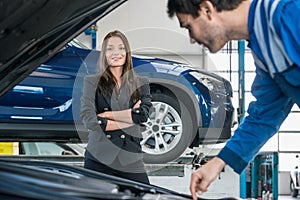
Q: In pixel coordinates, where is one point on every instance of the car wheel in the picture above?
(168, 131)
(294, 192)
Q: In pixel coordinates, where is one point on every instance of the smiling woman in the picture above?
(114, 104)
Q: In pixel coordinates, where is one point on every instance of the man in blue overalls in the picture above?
(272, 29)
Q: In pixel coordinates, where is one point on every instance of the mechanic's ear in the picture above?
(207, 9)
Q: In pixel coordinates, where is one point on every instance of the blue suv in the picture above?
(190, 106)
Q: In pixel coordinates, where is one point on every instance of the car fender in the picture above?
(179, 87)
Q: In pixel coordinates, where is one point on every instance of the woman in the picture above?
(114, 104)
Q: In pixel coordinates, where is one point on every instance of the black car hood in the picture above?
(32, 31)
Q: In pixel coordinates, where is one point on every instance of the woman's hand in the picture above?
(137, 104)
(106, 114)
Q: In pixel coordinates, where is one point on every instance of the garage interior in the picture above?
(154, 35)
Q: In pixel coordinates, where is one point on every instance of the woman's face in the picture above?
(115, 52)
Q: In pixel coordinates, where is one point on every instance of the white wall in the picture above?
(150, 31)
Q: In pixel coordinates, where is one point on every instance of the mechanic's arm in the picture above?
(265, 116)
(264, 119)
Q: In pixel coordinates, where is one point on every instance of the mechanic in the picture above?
(272, 31)
(114, 104)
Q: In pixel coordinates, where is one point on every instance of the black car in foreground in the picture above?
(49, 180)
(31, 32)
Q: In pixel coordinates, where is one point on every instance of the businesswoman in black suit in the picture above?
(114, 104)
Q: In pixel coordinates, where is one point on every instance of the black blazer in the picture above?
(109, 146)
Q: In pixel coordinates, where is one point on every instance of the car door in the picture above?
(47, 93)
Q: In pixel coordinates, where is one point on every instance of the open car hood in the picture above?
(32, 31)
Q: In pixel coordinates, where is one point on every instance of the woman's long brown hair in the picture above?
(107, 81)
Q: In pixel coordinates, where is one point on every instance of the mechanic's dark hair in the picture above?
(107, 81)
(192, 6)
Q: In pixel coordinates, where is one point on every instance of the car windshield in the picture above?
(78, 44)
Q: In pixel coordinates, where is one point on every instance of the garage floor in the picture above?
(287, 197)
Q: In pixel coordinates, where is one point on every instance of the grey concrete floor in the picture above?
(288, 197)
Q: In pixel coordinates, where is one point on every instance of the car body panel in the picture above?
(46, 95)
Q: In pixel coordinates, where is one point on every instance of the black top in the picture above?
(124, 144)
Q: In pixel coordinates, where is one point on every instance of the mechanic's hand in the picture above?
(205, 175)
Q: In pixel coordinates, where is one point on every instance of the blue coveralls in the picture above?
(274, 29)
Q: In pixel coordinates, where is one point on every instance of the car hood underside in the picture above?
(32, 31)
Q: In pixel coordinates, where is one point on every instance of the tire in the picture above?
(162, 142)
(294, 192)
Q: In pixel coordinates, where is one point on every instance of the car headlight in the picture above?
(213, 84)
